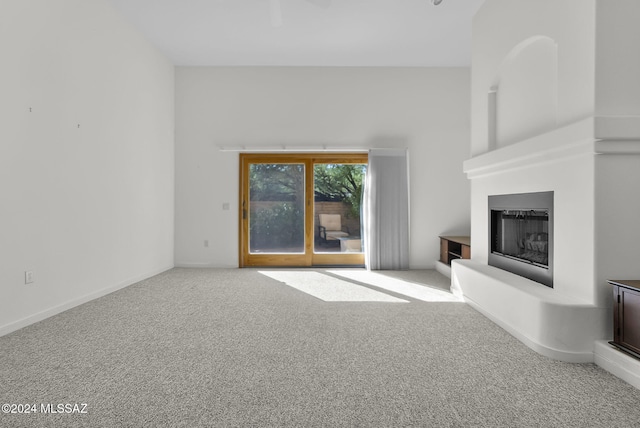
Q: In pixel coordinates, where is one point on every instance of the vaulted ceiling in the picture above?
(307, 32)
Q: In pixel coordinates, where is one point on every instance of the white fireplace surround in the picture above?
(556, 107)
(581, 163)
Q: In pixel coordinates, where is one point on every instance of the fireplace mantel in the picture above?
(593, 135)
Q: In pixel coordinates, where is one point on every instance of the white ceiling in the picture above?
(311, 33)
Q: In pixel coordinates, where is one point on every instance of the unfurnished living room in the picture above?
(319, 213)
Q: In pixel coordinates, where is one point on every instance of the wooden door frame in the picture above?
(309, 258)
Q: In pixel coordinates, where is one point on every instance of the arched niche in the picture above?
(523, 101)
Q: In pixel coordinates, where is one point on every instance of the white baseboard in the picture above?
(542, 349)
(444, 269)
(203, 265)
(34, 318)
(617, 362)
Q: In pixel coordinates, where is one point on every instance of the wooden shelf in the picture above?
(454, 247)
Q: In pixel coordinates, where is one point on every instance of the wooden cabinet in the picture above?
(626, 316)
(454, 247)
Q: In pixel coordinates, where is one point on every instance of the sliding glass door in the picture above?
(301, 210)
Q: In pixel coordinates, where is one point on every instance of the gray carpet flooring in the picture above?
(234, 348)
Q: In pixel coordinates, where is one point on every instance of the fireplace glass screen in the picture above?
(522, 235)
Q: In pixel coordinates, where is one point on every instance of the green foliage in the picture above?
(276, 182)
(281, 224)
(278, 226)
(340, 182)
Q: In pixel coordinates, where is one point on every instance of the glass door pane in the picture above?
(276, 208)
(337, 207)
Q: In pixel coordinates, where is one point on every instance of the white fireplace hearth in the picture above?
(555, 325)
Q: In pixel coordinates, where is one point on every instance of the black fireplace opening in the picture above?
(521, 234)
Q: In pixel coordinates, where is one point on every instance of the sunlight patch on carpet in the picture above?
(399, 286)
(329, 288)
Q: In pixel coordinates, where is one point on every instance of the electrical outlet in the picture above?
(28, 277)
(225, 206)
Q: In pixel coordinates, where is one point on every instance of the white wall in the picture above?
(86, 156)
(426, 110)
(617, 97)
(617, 212)
(617, 58)
(500, 27)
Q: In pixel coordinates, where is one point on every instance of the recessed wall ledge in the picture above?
(590, 136)
(617, 128)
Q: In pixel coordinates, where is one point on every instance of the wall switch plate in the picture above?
(28, 277)
(206, 242)
(225, 206)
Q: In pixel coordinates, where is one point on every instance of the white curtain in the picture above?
(386, 210)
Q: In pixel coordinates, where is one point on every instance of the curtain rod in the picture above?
(286, 148)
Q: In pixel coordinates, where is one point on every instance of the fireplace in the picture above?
(521, 235)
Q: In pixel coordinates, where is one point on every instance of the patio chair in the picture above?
(331, 228)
